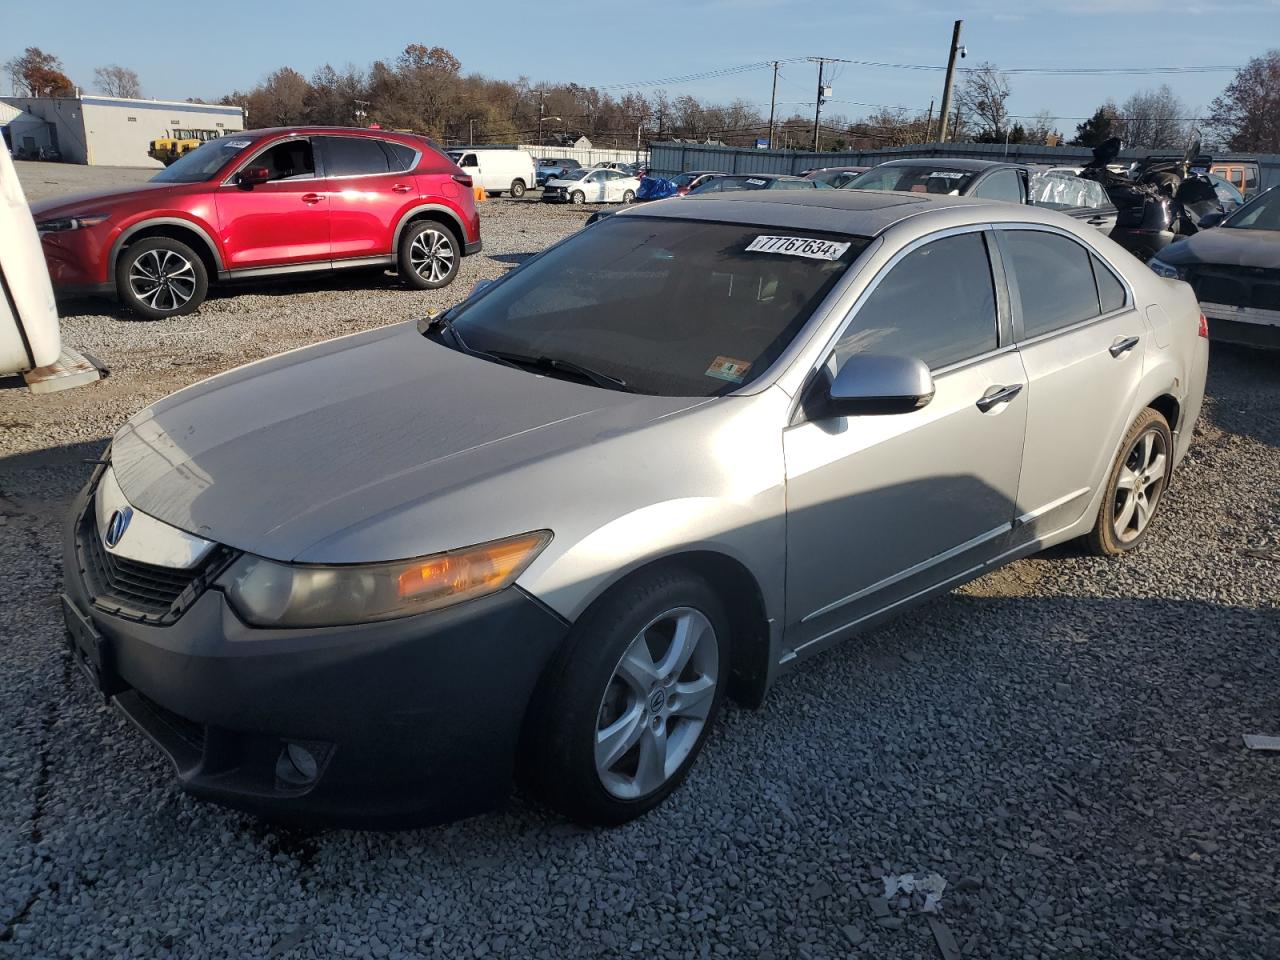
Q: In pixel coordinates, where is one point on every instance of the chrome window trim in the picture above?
(1015, 298)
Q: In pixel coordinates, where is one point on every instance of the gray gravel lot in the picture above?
(1060, 740)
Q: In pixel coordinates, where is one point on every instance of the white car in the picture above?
(29, 336)
(591, 186)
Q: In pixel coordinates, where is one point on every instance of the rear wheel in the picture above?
(161, 277)
(517, 188)
(577, 197)
(428, 255)
(1135, 486)
(630, 699)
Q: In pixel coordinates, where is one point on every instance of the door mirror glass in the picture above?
(252, 176)
(871, 384)
(1211, 220)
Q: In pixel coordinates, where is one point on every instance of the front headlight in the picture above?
(1162, 269)
(270, 594)
(62, 224)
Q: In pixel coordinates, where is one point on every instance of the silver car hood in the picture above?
(280, 455)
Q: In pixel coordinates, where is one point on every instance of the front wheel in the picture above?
(517, 188)
(1134, 487)
(629, 197)
(160, 278)
(630, 699)
(577, 197)
(428, 255)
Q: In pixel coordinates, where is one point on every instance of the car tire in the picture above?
(629, 197)
(577, 197)
(1135, 486)
(517, 189)
(615, 672)
(160, 277)
(428, 256)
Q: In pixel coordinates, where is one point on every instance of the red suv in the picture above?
(263, 203)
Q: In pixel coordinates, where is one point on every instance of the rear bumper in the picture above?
(407, 721)
(469, 248)
(1248, 326)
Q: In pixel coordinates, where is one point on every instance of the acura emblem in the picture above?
(117, 525)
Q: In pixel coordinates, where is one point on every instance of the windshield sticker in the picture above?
(238, 143)
(726, 368)
(947, 174)
(756, 183)
(799, 247)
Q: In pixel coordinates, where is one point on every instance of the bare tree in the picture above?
(1153, 119)
(117, 81)
(982, 97)
(1247, 114)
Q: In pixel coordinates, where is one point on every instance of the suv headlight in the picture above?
(62, 224)
(270, 594)
(1162, 269)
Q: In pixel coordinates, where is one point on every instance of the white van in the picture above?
(498, 171)
(29, 335)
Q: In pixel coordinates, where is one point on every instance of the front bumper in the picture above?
(408, 721)
(77, 260)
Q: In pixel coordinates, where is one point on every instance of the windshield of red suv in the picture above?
(679, 308)
(202, 162)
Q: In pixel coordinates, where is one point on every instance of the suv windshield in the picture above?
(202, 162)
(914, 178)
(1261, 213)
(670, 307)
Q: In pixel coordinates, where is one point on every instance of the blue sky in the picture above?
(182, 50)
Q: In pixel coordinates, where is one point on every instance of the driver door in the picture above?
(883, 508)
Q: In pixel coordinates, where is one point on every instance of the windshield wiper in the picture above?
(443, 324)
(556, 365)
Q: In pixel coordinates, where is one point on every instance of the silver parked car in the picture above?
(664, 461)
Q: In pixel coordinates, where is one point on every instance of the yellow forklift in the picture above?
(169, 148)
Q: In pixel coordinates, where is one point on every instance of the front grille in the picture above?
(141, 591)
(1237, 286)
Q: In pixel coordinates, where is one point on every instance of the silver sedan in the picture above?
(545, 534)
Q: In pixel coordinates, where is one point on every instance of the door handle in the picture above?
(401, 188)
(998, 395)
(311, 198)
(1123, 346)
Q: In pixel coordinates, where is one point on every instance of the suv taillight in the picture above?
(1204, 327)
(463, 179)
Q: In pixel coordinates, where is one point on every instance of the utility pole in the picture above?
(928, 123)
(951, 75)
(542, 99)
(823, 92)
(773, 102)
(471, 131)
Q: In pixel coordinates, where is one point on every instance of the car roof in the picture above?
(956, 163)
(855, 212)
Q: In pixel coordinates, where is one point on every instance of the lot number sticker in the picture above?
(727, 368)
(799, 247)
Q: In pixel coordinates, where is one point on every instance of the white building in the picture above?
(107, 131)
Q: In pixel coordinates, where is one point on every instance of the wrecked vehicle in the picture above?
(1161, 198)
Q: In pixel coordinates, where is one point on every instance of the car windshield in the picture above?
(684, 179)
(913, 178)
(202, 162)
(744, 183)
(1260, 213)
(835, 178)
(670, 307)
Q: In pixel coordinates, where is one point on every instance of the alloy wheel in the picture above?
(656, 703)
(431, 255)
(163, 280)
(1139, 485)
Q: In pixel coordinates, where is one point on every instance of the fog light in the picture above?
(297, 765)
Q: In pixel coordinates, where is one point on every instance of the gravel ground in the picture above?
(1060, 741)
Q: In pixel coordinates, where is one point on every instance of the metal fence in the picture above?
(587, 156)
(672, 158)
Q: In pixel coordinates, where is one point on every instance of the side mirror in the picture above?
(873, 384)
(1211, 220)
(253, 176)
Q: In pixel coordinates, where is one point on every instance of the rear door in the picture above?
(282, 222)
(881, 508)
(1082, 344)
(1006, 185)
(371, 186)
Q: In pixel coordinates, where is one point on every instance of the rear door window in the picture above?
(353, 157)
(1002, 185)
(1054, 278)
(1111, 294)
(937, 304)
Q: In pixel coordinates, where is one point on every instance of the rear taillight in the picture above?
(1204, 327)
(463, 179)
